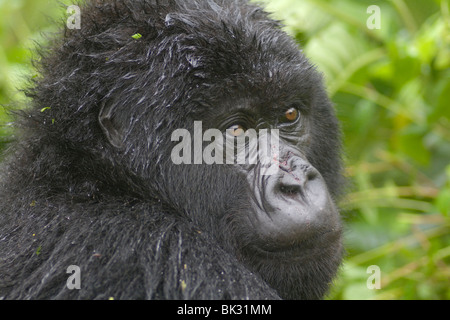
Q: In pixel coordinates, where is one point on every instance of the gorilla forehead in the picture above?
(188, 48)
(224, 58)
(237, 48)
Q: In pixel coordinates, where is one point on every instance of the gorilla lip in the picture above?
(298, 249)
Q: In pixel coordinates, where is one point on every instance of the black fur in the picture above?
(138, 226)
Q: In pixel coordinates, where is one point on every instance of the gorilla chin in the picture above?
(311, 264)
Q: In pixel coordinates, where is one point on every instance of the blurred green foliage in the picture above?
(391, 88)
(23, 24)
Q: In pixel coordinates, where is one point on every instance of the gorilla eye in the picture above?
(291, 115)
(237, 130)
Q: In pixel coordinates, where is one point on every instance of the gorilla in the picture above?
(92, 203)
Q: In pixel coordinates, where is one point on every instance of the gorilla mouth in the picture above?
(314, 246)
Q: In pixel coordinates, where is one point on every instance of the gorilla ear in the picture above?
(110, 124)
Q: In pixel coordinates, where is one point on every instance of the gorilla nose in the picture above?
(296, 207)
(297, 174)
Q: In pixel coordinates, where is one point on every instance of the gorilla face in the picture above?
(290, 231)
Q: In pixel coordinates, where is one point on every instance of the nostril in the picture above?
(303, 170)
(290, 189)
(311, 174)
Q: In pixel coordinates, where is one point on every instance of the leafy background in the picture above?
(391, 88)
